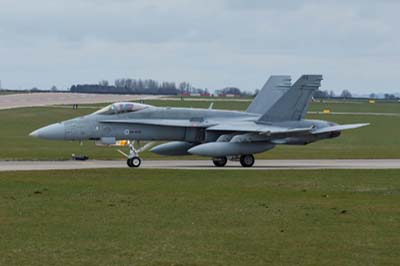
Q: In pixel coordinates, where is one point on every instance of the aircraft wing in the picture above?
(245, 126)
(339, 128)
(261, 129)
(251, 127)
(160, 122)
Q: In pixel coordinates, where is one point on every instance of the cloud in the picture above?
(210, 43)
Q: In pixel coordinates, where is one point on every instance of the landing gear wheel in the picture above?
(134, 162)
(220, 161)
(247, 160)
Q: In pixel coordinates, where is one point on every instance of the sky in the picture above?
(209, 43)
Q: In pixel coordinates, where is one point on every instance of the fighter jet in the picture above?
(275, 117)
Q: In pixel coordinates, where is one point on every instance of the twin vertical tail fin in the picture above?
(274, 88)
(293, 105)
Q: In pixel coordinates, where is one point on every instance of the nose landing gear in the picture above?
(134, 162)
(133, 159)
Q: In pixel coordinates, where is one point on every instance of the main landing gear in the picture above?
(220, 161)
(246, 160)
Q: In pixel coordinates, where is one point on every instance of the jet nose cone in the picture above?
(54, 131)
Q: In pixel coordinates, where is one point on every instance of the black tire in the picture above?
(220, 161)
(134, 162)
(247, 160)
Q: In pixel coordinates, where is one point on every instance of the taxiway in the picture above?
(202, 164)
(45, 99)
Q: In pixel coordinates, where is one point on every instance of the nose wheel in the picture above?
(134, 162)
(133, 159)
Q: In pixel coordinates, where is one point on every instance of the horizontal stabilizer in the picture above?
(339, 128)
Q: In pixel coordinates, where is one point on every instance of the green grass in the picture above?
(170, 217)
(12, 92)
(213, 97)
(356, 106)
(226, 105)
(333, 105)
(379, 140)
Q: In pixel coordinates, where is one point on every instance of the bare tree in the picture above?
(103, 83)
(346, 94)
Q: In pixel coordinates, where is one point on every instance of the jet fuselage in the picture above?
(176, 124)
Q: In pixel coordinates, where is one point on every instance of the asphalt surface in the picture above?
(44, 99)
(202, 164)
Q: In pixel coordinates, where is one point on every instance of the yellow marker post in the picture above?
(326, 111)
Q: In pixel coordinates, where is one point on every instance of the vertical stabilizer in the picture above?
(293, 105)
(273, 89)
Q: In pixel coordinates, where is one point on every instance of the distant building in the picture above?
(185, 94)
(230, 92)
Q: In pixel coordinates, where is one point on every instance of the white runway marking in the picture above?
(203, 164)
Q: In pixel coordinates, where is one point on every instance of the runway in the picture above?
(50, 98)
(203, 165)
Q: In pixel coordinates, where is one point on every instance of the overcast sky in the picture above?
(355, 44)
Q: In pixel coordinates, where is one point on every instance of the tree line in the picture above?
(150, 86)
(128, 86)
(346, 94)
(139, 86)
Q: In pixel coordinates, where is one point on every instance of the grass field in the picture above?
(356, 106)
(148, 217)
(380, 140)
(335, 106)
(12, 92)
(318, 106)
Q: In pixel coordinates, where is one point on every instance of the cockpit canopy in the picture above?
(120, 108)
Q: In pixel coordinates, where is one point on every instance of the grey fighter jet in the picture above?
(276, 116)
